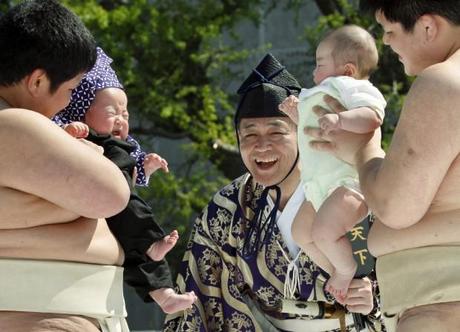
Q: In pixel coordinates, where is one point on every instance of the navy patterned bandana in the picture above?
(101, 76)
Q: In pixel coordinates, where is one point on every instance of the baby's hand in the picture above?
(77, 129)
(153, 162)
(329, 122)
(289, 106)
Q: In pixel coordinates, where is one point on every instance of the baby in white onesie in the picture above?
(344, 60)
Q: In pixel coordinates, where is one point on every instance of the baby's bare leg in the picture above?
(338, 214)
(159, 249)
(171, 302)
(301, 234)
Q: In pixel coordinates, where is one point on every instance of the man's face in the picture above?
(268, 147)
(409, 46)
(108, 113)
(49, 103)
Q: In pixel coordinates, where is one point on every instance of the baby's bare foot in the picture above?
(338, 285)
(159, 249)
(171, 302)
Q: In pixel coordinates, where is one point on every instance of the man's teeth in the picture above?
(266, 160)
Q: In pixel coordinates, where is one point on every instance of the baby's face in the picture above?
(108, 113)
(325, 65)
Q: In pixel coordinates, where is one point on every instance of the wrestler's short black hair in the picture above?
(407, 12)
(43, 34)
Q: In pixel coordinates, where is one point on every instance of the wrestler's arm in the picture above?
(39, 158)
(400, 187)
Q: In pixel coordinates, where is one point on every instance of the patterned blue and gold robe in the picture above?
(222, 278)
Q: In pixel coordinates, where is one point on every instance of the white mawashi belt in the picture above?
(64, 288)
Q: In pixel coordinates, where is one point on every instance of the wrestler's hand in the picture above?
(344, 145)
(329, 122)
(289, 107)
(359, 297)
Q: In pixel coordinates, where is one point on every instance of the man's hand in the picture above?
(359, 297)
(329, 122)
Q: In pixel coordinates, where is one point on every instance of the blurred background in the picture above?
(181, 62)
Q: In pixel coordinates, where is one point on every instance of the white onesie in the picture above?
(321, 172)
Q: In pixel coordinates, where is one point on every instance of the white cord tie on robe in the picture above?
(292, 278)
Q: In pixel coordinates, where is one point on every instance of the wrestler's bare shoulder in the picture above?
(17, 117)
(453, 62)
(38, 322)
(439, 77)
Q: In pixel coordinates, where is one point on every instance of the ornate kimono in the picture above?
(236, 292)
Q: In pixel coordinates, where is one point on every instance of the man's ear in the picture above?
(429, 25)
(37, 82)
(350, 70)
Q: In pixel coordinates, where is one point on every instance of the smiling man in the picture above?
(241, 261)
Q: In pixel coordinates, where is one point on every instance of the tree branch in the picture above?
(227, 158)
(327, 7)
(156, 131)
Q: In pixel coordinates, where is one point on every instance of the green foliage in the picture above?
(4, 5)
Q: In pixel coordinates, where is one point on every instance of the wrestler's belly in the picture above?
(22, 210)
(38, 322)
(438, 228)
(83, 240)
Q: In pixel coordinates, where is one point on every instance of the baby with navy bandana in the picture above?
(98, 112)
(100, 77)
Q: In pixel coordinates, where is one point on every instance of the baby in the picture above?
(142, 239)
(344, 60)
(99, 77)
